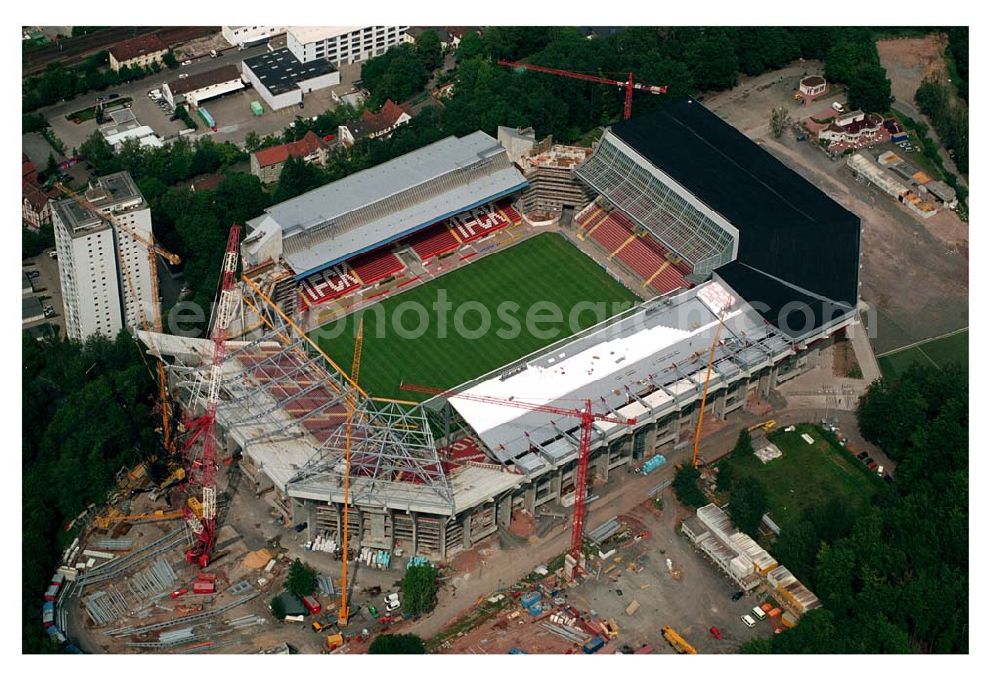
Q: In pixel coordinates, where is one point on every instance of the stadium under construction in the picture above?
(714, 228)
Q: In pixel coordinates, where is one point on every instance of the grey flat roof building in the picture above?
(107, 193)
(279, 71)
(374, 207)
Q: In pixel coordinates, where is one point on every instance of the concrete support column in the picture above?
(467, 531)
(603, 460)
(529, 498)
(504, 511)
(413, 535)
(443, 534)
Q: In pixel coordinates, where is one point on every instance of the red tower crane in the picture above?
(204, 426)
(587, 418)
(628, 85)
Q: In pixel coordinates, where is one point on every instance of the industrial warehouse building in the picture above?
(281, 78)
(195, 89)
(762, 251)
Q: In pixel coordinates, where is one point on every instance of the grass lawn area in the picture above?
(545, 268)
(934, 353)
(808, 474)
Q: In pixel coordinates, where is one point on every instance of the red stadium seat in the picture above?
(376, 266)
(610, 234)
(328, 284)
(433, 241)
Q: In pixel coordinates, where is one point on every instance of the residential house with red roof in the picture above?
(266, 164)
(374, 125)
(35, 207)
(142, 51)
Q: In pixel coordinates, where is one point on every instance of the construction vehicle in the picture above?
(115, 517)
(344, 615)
(628, 85)
(675, 640)
(334, 641)
(704, 391)
(174, 478)
(587, 419)
(767, 426)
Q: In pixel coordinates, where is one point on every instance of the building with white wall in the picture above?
(203, 86)
(244, 36)
(342, 45)
(103, 271)
(282, 79)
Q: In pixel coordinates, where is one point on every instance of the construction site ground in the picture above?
(691, 599)
(915, 272)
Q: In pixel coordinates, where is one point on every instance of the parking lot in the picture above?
(46, 286)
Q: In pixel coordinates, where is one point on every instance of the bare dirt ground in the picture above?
(908, 61)
(915, 272)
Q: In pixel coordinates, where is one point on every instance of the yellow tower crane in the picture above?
(351, 404)
(704, 391)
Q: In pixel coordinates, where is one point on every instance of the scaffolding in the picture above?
(284, 402)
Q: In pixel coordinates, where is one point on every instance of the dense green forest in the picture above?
(896, 578)
(86, 412)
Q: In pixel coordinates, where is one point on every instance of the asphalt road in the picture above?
(147, 113)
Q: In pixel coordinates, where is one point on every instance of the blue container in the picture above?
(531, 598)
(535, 609)
(653, 463)
(595, 644)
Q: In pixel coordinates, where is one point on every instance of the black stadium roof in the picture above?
(796, 244)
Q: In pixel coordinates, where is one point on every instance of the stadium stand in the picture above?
(477, 223)
(669, 279)
(329, 284)
(640, 259)
(376, 266)
(610, 234)
(434, 241)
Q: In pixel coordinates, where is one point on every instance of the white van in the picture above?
(759, 613)
(295, 619)
(747, 621)
(837, 107)
(880, 471)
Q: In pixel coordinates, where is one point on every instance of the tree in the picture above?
(686, 486)
(747, 504)
(714, 62)
(397, 644)
(419, 589)
(869, 89)
(278, 608)
(169, 60)
(428, 48)
(780, 119)
(297, 177)
(743, 445)
(724, 478)
(301, 579)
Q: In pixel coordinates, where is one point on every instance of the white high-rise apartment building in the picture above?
(97, 292)
(342, 44)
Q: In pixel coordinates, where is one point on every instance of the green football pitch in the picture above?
(934, 353)
(411, 338)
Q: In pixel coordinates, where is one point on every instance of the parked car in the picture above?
(32, 274)
(391, 597)
(872, 465)
(182, 76)
(213, 54)
(53, 254)
(747, 621)
(113, 95)
(888, 479)
(862, 456)
(392, 605)
(738, 595)
(715, 632)
(880, 470)
(186, 63)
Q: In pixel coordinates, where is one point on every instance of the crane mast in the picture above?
(704, 390)
(205, 528)
(629, 84)
(587, 419)
(344, 614)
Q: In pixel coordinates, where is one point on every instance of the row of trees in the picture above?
(958, 49)
(896, 578)
(403, 70)
(949, 117)
(57, 82)
(852, 59)
(86, 412)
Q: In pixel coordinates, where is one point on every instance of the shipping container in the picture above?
(203, 587)
(645, 648)
(312, 605)
(51, 593)
(595, 644)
